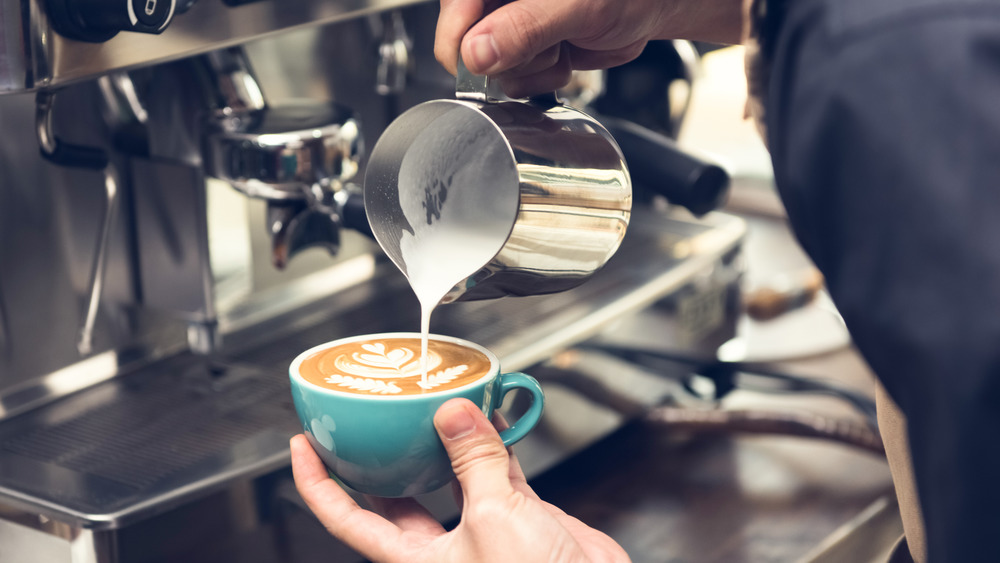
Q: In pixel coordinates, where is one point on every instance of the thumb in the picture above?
(518, 32)
(477, 453)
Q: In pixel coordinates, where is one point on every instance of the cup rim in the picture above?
(293, 368)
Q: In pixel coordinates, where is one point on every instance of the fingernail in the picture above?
(484, 52)
(457, 424)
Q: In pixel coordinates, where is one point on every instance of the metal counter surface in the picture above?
(148, 441)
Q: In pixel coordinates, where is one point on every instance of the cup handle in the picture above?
(520, 428)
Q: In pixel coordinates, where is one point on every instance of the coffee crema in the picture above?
(391, 366)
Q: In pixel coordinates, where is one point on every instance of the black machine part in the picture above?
(656, 163)
(95, 21)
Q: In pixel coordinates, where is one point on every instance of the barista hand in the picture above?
(532, 45)
(502, 518)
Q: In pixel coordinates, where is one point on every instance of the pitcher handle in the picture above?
(475, 88)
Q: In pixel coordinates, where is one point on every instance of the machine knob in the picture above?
(99, 20)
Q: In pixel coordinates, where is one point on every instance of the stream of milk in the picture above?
(435, 263)
(458, 189)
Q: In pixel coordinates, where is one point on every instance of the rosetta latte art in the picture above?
(392, 367)
(380, 362)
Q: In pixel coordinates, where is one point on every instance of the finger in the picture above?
(520, 483)
(518, 84)
(544, 61)
(406, 513)
(603, 543)
(547, 73)
(515, 474)
(586, 59)
(530, 85)
(517, 32)
(477, 454)
(366, 532)
(454, 20)
(456, 17)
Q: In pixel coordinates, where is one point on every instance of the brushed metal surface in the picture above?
(33, 56)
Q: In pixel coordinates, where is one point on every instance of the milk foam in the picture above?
(391, 366)
(456, 229)
(381, 362)
(435, 262)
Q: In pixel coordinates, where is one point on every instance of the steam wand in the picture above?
(77, 156)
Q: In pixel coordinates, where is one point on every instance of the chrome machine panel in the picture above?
(34, 56)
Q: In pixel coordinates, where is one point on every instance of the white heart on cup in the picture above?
(393, 359)
(398, 356)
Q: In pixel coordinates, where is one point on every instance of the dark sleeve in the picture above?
(884, 128)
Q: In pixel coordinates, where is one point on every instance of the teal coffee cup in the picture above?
(368, 410)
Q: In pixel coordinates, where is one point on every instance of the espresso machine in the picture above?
(181, 215)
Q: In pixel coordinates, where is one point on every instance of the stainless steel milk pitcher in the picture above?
(540, 188)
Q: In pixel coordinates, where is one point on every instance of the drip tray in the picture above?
(146, 438)
(175, 430)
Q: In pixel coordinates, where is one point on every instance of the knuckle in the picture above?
(603, 13)
(478, 453)
(565, 551)
(495, 509)
(337, 524)
(629, 52)
(602, 19)
(635, 49)
(528, 30)
(561, 72)
(550, 57)
(312, 492)
(612, 26)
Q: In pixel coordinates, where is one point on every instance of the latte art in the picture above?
(391, 366)
(381, 362)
